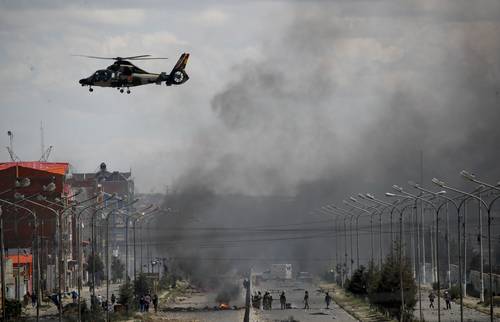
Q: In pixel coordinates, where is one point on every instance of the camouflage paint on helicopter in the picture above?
(123, 74)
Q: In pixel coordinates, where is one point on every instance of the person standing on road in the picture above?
(141, 303)
(306, 300)
(74, 296)
(147, 302)
(155, 302)
(328, 300)
(431, 299)
(26, 299)
(33, 299)
(447, 298)
(265, 301)
(283, 300)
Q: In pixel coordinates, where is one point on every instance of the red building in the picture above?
(47, 185)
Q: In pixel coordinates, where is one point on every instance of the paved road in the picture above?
(294, 292)
(431, 315)
(199, 301)
(50, 309)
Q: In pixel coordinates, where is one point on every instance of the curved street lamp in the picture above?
(36, 248)
(329, 211)
(347, 214)
(380, 212)
(354, 200)
(436, 210)
(400, 247)
(108, 215)
(488, 209)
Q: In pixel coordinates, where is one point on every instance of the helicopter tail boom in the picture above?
(178, 74)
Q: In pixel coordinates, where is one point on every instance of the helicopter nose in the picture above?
(84, 81)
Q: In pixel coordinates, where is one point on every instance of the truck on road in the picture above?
(281, 271)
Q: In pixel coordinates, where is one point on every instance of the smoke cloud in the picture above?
(345, 100)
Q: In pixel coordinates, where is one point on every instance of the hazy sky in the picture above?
(145, 129)
(280, 92)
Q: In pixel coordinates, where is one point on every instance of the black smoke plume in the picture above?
(347, 99)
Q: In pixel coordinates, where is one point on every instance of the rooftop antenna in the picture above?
(10, 148)
(45, 153)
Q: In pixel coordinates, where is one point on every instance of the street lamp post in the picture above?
(142, 215)
(93, 240)
(336, 233)
(415, 197)
(400, 250)
(472, 178)
(488, 209)
(354, 200)
(327, 211)
(346, 214)
(372, 198)
(79, 253)
(351, 270)
(380, 212)
(108, 215)
(357, 232)
(148, 248)
(36, 250)
(58, 216)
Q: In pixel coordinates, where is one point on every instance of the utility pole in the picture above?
(61, 264)
(135, 272)
(2, 257)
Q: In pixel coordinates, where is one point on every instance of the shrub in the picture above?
(126, 295)
(141, 285)
(13, 309)
(117, 269)
(384, 290)
(358, 283)
(99, 267)
(454, 292)
(496, 299)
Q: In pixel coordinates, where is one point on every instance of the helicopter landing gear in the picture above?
(121, 90)
(91, 89)
(128, 90)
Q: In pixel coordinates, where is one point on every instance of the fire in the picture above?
(223, 306)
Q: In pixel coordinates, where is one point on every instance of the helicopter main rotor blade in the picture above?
(95, 57)
(148, 58)
(134, 57)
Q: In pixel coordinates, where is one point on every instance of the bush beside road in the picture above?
(355, 306)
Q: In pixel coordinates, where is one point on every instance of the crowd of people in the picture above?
(145, 302)
(264, 302)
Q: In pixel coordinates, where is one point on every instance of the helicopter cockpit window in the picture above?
(102, 75)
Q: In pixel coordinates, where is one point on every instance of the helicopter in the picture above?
(123, 74)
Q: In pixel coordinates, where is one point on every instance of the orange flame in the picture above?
(223, 306)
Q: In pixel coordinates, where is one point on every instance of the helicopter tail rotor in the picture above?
(178, 74)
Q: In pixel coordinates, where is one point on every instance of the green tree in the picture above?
(117, 269)
(99, 267)
(363, 280)
(141, 285)
(358, 283)
(385, 290)
(126, 295)
(13, 309)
